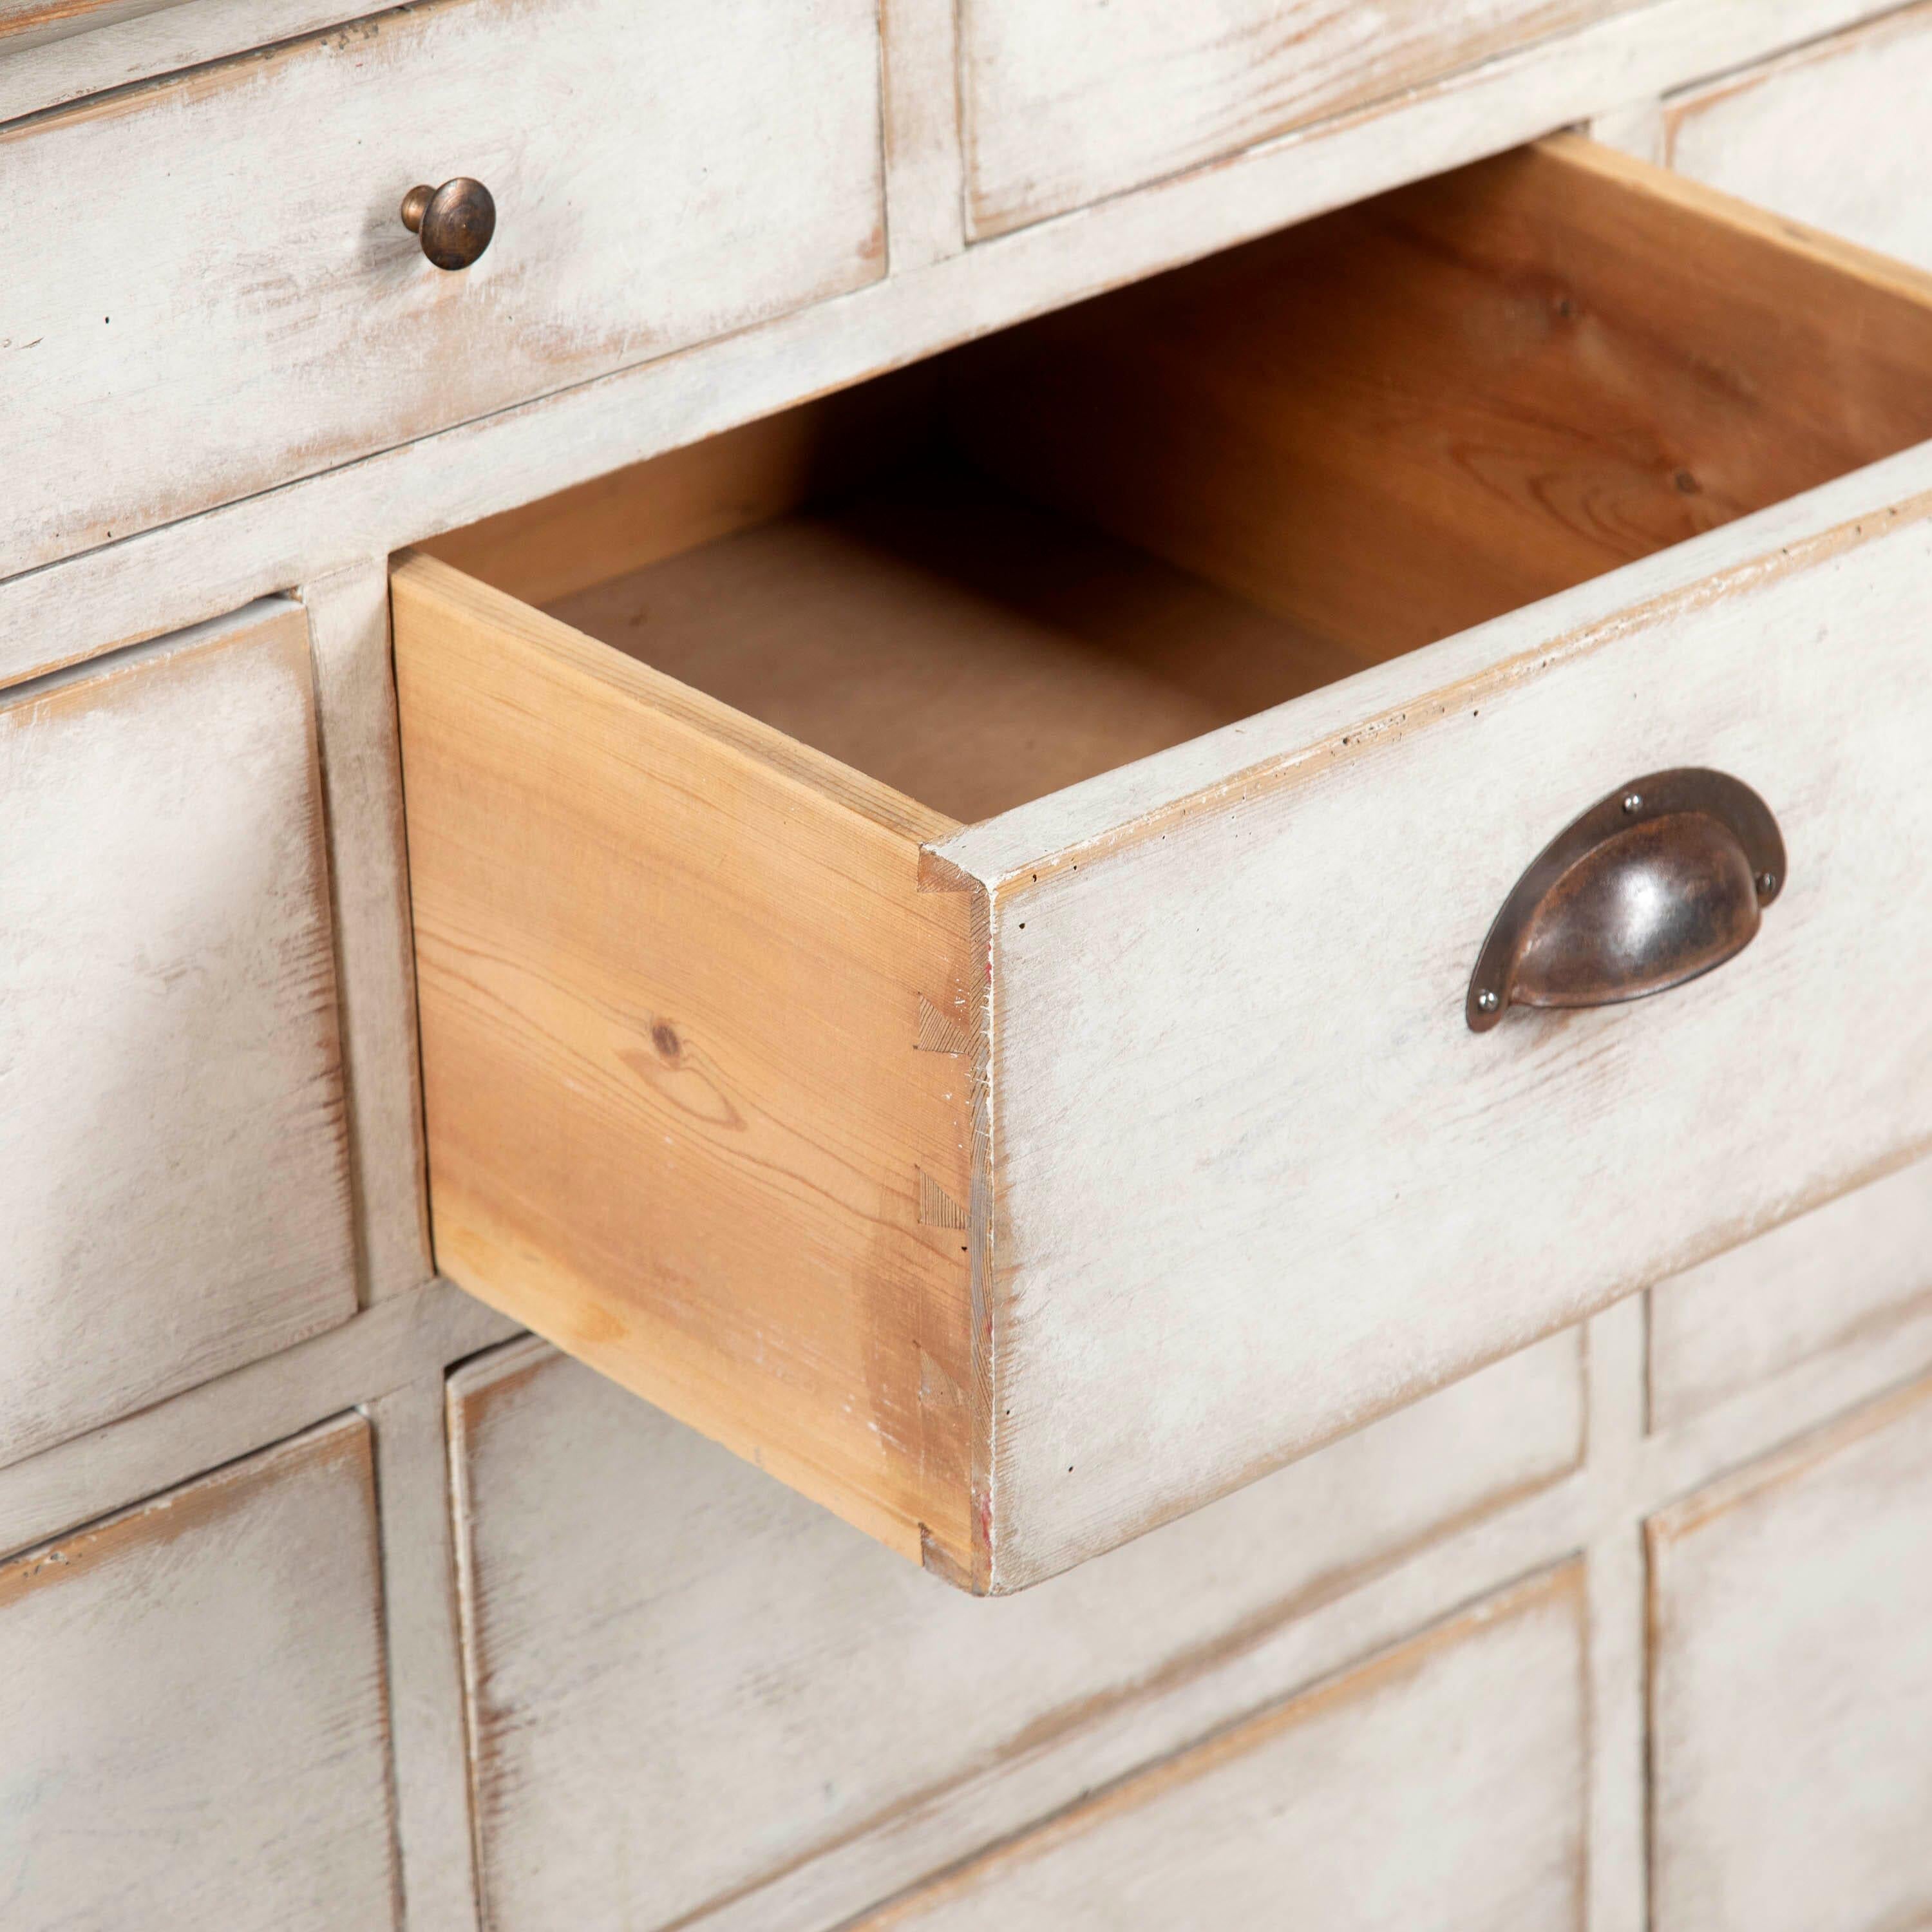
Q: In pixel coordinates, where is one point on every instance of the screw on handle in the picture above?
(455, 220)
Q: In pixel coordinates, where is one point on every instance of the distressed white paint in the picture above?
(1855, 1267)
(118, 42)
(1441, 1787)
(924, 212)
(173, 1173)
(686, 1679)
(191, 1698)
(349, 619)
(139, 585)
(240, 303)
(1253, 1179)
(1836, 134)
(1792, 1686)
(1068, 101)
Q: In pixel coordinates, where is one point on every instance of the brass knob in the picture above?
(1658, 882)
(455, 220)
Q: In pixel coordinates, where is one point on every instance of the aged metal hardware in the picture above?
(455, 220)
(1659, 880)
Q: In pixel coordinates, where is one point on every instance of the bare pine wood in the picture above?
(652, 1739)
(1855, 1268)
(1416, 414)
(1441, 1785)
(1791, 1686)
(1069, 101)
(192, 1696)
(1833, 134)
(724, 937)
(322, 333)
(174, 1178)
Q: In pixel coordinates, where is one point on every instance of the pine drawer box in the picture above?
(946, 947)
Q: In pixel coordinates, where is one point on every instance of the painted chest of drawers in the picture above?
(746, 1178)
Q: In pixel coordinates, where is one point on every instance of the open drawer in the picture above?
(1017, 1168)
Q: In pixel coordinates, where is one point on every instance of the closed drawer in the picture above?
(605, 1550)
(1835, 133)
(212, 291)
(192, 1695)
(1065, 102)
(1016, 1185)
(174, 1179)
(1441, 1785)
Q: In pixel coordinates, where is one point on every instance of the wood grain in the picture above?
(677, 1115)
(193, 1698)
(173, 1162)
(321, 334)
(1854, 1269)
(1441, 1785)
(1416, 414)
(1069, 101)
(1791, 1688)
(651, 1739)
(1833, 134)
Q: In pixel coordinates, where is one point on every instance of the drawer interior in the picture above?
(1100, 535)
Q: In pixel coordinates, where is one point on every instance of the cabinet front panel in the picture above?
(213, 281)
(1791, 1692)
(1440, 1786)
(686, 1678)
(192, 1700)
(173, 1169)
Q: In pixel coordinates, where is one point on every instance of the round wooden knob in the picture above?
(455, 220)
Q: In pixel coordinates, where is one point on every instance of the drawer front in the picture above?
(173, 1161)
(1835, 134)
(1854, 1267)
(651, 1739)
(192, 1697)
(217, 293)
(1068, 101)
(1791, 1609)
(1441, 1785)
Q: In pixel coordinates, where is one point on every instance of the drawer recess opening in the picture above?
(1100, 535)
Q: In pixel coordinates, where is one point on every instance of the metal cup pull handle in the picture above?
(1661, 880)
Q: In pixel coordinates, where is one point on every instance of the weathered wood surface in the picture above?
(174, 1182)
(684, 1679)
(684, 1114)
(1856, 1267)
(1791, 1686)
(192, 1698)
(1441, 1785)
(355, 699)
(1833, 134)
(143, 585)
(1065, 102)
(320, 333)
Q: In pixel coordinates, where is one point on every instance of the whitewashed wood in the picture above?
(401, 1341)
(236, 301)
(121, 41)
(684, 1679)
(1853, 1267)
(1068, 101)
(925, 211)
(348, 622)
(424, 1658)
(142, 585)
(1792, 1686)
(173, 1170)
(1836, 134)
(1255, 1181)
(192, 1699)
(1440, 1786)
